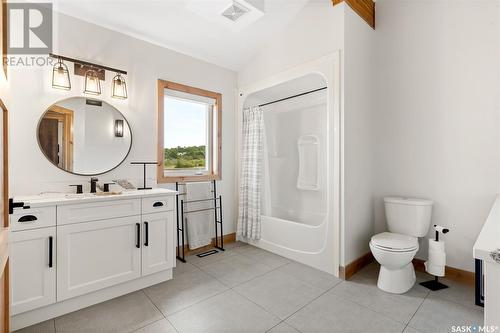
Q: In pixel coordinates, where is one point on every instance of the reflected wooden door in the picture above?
(4, 225)
(48, 137)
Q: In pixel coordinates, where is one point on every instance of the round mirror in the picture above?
(84, 136)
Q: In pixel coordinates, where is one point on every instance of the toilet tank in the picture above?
(408, 216)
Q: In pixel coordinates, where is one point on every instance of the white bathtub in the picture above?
(301, 215)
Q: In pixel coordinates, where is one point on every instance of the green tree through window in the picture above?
(192, 157)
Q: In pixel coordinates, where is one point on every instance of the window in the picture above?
(189, 133)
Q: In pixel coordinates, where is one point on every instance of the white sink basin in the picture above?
(79, 196)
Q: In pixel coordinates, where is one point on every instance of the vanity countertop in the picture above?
(489, 237)
(48, 199)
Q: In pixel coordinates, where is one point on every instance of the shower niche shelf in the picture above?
(308, 176)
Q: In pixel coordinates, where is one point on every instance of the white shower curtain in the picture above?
(251, 174)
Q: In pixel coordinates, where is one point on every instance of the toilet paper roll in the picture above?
(436, 245)
(436, 263)
(437, 258)
(435, 270)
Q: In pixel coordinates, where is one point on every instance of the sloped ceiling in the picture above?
(192, 27)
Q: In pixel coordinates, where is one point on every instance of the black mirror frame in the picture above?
(84, 174)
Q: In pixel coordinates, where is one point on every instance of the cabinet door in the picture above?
(96, 255)
(158, 245)
(33, 269)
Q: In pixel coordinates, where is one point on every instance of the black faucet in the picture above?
(93, 183)
(79, 188)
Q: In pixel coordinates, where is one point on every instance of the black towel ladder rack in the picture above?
(182, 211)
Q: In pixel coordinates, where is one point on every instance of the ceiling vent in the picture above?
(235, 11)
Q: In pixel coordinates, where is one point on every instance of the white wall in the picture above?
(31, 94)
(437, 112)
(358, 136)
(95, 146)
(317, 30)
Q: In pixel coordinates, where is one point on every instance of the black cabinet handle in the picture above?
(146, 236)
(138, 235)
(158, 204)
(27, 218)
(50, 251)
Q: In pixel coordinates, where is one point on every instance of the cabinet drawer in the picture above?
(158, 204)
(93, 211)
(31, 218)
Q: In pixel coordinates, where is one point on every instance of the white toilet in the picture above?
(407, 219)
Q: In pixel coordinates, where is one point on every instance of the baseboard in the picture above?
(227, 239)
(451, 273)
(355, 266)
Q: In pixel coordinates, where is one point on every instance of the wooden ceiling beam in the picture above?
(364, 8)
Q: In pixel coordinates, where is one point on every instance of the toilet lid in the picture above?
(392, 241)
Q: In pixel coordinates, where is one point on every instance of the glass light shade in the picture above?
(92, 83)
(119, 128)
(60, 76)
(119, 87)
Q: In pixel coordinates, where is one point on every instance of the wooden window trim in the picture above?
(214, 174)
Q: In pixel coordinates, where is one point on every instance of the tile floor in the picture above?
(246, 289)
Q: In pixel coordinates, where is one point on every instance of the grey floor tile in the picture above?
(123, 314)
(439, 315)
(184, 290)
(183, 267)
(200, 262)
(228, 312)
(397, 307)
(314, 277)
(43, 327)
(279, 293)
(265, 257)
(283, 328)
(409, 329)
(457, 292)
(236, 269)
(331, 313)
(233, 245)
(160, 326)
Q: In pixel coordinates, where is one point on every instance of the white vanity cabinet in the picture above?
(95, 255)
(69, 253)
(33, 269)
(158, 242)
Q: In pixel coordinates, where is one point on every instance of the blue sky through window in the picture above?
(185, 123)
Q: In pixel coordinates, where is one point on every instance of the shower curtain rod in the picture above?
(298, 95)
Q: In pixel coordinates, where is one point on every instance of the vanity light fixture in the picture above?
(60, 76)
(119, 87)
(92, 83)
(93, 73)
(119, 128)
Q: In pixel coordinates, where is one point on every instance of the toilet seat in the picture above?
(393, 242)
